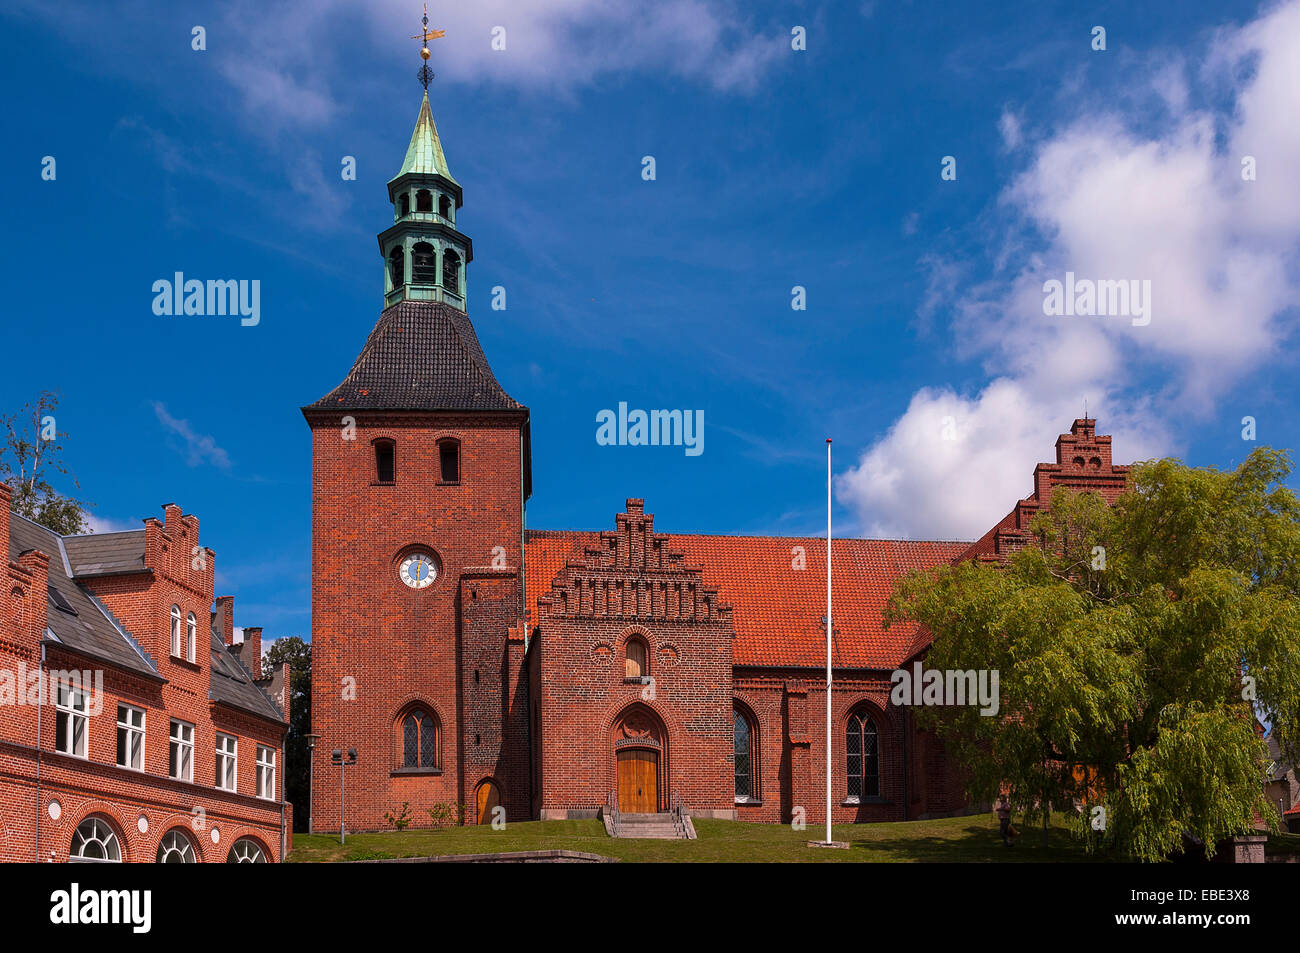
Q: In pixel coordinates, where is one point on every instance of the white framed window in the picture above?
(130, 737)
(191, 636)
(266, 772)
(94, 840)
(175, 848)
(245, 851)
(180, 752)
(227, 760)
(176, 631)
(72, 721)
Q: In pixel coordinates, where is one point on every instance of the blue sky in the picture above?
(775, 168)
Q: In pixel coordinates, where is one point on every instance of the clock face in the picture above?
(418, 570)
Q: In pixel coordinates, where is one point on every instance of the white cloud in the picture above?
(104, 524)
(198, 448)
(1112, 194)
(553, 47)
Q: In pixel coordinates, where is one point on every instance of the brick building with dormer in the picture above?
(470, 660)
(133, 727)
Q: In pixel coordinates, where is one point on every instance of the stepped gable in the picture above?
(1083, 462)
(632, 573)
(778, 610)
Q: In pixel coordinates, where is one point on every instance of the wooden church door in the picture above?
(638, 781)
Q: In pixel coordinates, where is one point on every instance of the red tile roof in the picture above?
(777, 610)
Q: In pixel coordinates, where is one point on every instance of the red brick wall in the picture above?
(635, 587)
(401, 647)
(95, 784)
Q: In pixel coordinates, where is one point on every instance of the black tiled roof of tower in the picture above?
(421, 355)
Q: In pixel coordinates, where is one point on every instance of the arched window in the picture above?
(444, 206)
(634, 659)
(385, 466)
(191, 637)
(451, 271)
(176, 849)
(404, 205)
(419, 740)
(424, 264)
(424, 201)
(246, 851)
(397, 266)
(95, 840)
(862, 756)
(746, 763)
(176, 631)
(449, 461)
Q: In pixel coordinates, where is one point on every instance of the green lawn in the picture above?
(959, 839)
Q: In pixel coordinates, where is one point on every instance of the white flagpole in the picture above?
(828, 640)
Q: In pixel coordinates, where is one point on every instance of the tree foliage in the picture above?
(31, 454)
(297, 654)
(1135, 645)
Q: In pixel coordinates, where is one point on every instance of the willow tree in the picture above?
(1136, 645)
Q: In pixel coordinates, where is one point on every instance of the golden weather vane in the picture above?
(425, 73)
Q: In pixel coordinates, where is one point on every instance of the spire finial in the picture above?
(425, 74)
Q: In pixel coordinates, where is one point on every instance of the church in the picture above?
(548, 674)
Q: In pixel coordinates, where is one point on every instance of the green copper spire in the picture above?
(424, 155)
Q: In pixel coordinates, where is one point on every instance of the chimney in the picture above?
(226, 618)
(252, 655)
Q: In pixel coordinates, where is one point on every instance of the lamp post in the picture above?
(311, 775)
(338, 758)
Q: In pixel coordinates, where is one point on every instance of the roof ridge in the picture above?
(841, 539)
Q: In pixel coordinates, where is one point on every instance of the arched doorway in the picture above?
(638, 781)
(487, 796)
(640, 772)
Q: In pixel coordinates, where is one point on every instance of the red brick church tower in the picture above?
(420, 474)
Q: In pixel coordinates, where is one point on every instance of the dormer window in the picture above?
(384, 461)
(449, 461)
(424, 201)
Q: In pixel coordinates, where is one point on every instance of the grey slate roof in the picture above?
(92, 630)
(106, 554)
(421, 355)
(232, 684)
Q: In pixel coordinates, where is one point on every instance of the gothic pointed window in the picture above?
(424, 264)
(451, 271)
(424, 201)
(419, 740)
(746, 780)
(862, 756)
(396, 266)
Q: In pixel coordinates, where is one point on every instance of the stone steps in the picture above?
(649, 827)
